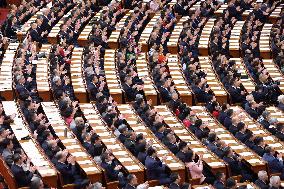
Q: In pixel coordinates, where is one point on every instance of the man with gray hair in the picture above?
(275, 182)
(36, 183)
(261, 182)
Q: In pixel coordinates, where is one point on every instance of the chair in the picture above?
(153, 183)
(7, 174)
(68, 186)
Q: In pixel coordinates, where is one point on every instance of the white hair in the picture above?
(281, 99)
(261, 174)
(274, 180)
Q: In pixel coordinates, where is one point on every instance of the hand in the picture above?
(118, 167)
(71, 160)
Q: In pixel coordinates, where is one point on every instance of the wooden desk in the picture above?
(276, 13)
(204, 40)
(26, 27)
(77, 80)
(138, 126)
(212, 80)
(274, 72)
(128, 161)
(258, 130)
(30, 147)
(42, 70)
(179, 80)
(83, 159)
(219, 12)
(6, 71)
(234, 41)
(276, 113)
(84, 35)
(143, 72)
(145, 35)
(264, 41)
(172, 44)
(112, 79)
(250, 157)
(52, 36)
(210, 159)
(113, 39)
(247, 83)
(196, 6)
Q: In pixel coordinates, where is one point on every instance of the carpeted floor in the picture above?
(3, 14)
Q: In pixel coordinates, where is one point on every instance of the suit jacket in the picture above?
(259, 150)
(234, 165)
(200, 94)
(93, 90)
(128, 186)
(236, 95)
(241, 136)
(23, 178)
(280, 136)
(228, 122)
(165, 94)
(276, 166)
(35, 36)
(129, 91)
(180, 10)
(112, 174)
(142, 157)
(67, 171)
(174, 186)
(154, 168)
(218, 185)
(222, 117)
(261, 184)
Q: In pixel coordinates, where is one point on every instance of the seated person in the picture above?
(22, 177)
(262, 181)
(231, 183)
(112, 167)
(195, 168)
(156, 170)
(219, 183)
(66, 166)
(176, 182)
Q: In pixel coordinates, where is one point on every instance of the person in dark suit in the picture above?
(183, 153)
(23, 178)
(223, 114)
(156, 170)
(276, 165)
(129, 143)
(68, 170)
(201, 90)
(34, 33)
(171, 143)
(180, 8)
(280, 131)
(111, 166)
(129, 89)
(241, 134)
(259, 145)
(165, 92)
(228, 119)
(238, 95)
(275, 182)
(231, 183)
(261, 182)
(131, 182)
(219, 183)
(176, 182)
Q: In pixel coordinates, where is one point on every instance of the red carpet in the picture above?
(3, 14)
